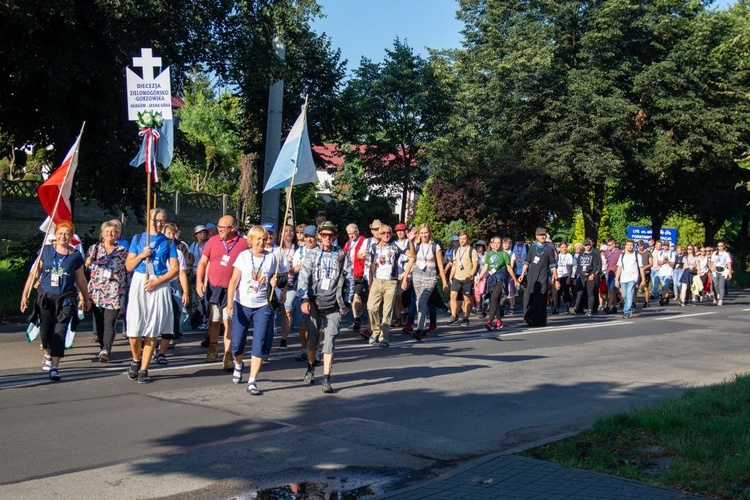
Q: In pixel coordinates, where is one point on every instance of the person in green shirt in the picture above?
(498, 270)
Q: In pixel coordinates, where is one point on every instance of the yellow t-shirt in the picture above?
(463, 260)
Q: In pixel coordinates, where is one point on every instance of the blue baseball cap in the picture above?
(269, 227)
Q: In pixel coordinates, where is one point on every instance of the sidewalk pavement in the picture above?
(508, 477)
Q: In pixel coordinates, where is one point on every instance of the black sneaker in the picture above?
(356, 325)
(133, 370)
(555, 311)
(206, 342)
(309, 377)
(452, 321)
(282, 344)
(326, 386)
(465, 322)
(488, 326)
(54, 374)
(417, 335)
(143, 377)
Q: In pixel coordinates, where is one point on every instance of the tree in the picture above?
(400, 107)
(62, 63)
(564, 105)
(311, 67)
(692, 127)
(210, 141)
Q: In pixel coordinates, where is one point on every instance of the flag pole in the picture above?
(291, 187)
(148, 215)
(54, 210)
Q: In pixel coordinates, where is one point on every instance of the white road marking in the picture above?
(680, 316)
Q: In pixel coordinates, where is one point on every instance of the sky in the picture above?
(368, 27)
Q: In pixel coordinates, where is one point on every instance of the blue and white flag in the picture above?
(295, 154)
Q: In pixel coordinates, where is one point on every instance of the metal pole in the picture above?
(270, 199)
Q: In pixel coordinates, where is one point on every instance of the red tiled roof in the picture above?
(333, 157)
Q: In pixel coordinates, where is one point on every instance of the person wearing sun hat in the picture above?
(196, 248)
(322, 275)
(364, 253)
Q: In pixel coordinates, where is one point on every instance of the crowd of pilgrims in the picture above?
(391, 277)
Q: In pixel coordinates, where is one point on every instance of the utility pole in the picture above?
(270, 200)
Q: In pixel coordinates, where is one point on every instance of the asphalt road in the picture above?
(398, 415)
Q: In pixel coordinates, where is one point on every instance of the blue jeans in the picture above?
(628, 293)
(676, 281)
(666, 283)
(243, 317)
(655, 284)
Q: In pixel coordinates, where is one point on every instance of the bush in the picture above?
(12, 279)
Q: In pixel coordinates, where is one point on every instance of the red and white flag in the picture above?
(54, 193)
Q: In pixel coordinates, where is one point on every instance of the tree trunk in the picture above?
(657, 221)
(711, 227)
(592, 212)
(404, 198)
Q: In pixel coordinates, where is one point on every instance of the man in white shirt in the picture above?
(720, 265)
(626, 276)
(384, 285)
(665, 259)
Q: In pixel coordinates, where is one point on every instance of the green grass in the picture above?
(698, 442)
(12, 279)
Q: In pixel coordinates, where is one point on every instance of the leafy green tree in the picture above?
(209, 140)
(690, 129)
(400, 106)
(63, 63)
(311, 67)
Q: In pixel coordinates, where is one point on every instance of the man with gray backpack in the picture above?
(323, 273)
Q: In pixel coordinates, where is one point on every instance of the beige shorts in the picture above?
(216, 313)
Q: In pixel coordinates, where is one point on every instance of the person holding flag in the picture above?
(58, 273)
(153, 261)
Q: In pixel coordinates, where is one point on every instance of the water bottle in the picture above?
(81, 315)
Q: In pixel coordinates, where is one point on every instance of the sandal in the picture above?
(161, 359)
(237, 374)
(253, 390)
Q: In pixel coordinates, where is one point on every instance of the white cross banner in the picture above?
(148, 93)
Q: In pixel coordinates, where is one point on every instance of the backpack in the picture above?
(358, 265)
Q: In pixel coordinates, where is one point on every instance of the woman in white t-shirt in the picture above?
(247, 303)
(427, 268)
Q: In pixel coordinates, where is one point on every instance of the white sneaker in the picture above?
(720, 303)
(46, 363)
